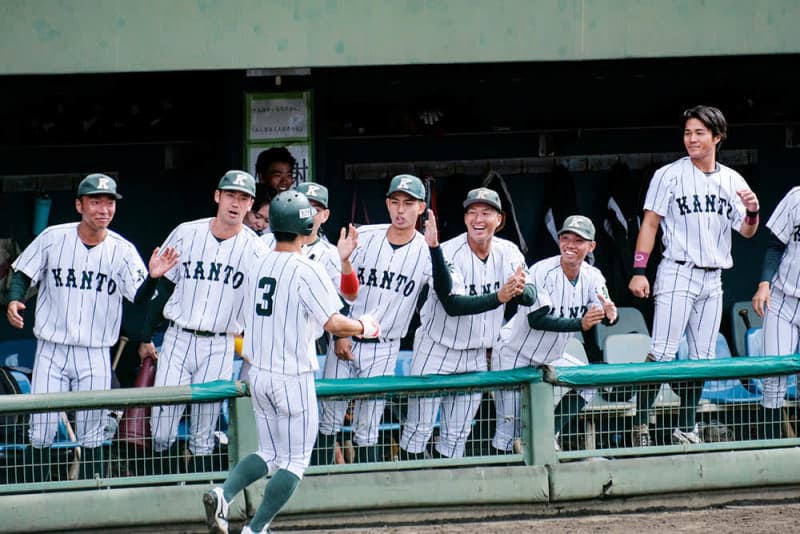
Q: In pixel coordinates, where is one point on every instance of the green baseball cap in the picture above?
(484, 196)
(98, 184)
(408, 184)
(315, 192)
(238, 181)
(579, 225)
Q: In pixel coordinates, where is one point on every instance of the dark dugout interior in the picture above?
(571, 126)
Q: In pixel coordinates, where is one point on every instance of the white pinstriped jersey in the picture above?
(471, 276)
(327, 255)
(390, 278)
(289, 300)
(80, 289)
(785, 224)
(564, 299)
(269, 239)
(210, 275)
(698, 211)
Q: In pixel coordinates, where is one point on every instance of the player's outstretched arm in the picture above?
(366, 326)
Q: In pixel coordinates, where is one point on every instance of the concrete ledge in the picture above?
(418, 488)
(674, 473)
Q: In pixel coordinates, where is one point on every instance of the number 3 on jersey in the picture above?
(264, 308)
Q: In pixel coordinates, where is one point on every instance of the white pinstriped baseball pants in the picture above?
(59, 368)
(781, 336)
(189, 359)
(687, 299)
(286, 419)
(370, 359)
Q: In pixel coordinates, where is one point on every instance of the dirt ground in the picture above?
(751, 519)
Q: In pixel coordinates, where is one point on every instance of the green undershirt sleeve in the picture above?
(542, 320)
(20, 282)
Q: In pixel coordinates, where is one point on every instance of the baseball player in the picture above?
(275, 169)
(83, 271)
(571, 296)
(777, 300)
(449, 342)
(697, 202)
(257, 219)
(289, 301)
(202, 299)
(392, 263)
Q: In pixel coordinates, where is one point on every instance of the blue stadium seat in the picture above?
(721, 391)
(18, 353)
(403, 365)
(754, 346)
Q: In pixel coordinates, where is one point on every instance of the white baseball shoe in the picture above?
(248, 530)
(681, 437)
(216, 511)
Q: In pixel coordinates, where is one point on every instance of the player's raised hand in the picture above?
(14, 313)
(594, 315)
(609, 308)
(639, 286)
(147, 350)
(431, 231)
(161, 262)
(343, 348)
(348, 241)
(761, 299)
(749, 199)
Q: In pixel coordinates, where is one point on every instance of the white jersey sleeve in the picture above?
(81, 288)
(289, 300)
(698, 211)
(209, 278)
(563, 298)
(785, 224)
(390, 278)
(471, 276)
(269, 240)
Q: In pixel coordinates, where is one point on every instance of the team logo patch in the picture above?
(312, 190)
(482, 194)
(239, 180)
(304, 213)
(404, 183)
(102, 183)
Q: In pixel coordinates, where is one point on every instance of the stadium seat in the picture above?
(626, 348)
(720, 391)
(739, 328)
(403, 365)
(18, 353)
(630, 321)
(575, 348)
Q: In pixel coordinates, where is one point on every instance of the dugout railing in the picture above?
(538, 469)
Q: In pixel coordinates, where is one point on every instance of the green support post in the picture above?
(243, 435)
(537, 424)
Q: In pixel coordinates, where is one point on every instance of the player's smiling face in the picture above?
(700, 142)
(97, 211)
(404, 210)
(574, 249)
(279, 176)
(482, 221)
(232, 206)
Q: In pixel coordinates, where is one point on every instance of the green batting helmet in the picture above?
(291, 213)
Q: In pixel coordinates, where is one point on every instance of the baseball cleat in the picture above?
(640, 436)
(681, 437)
(216, 511)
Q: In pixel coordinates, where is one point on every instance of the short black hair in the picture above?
(271, 155)
(263, 197)
(284, 237)
(711, 117)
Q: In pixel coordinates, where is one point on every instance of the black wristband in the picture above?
(752, 213)
(639, 271)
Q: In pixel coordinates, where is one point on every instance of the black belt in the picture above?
(707, 269)
(374, 340)
(198, 333)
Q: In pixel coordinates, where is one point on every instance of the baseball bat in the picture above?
(744, 314)
(123, 340)
(76, 461)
